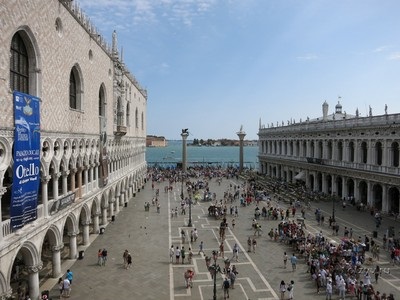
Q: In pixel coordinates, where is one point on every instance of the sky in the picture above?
(213, 66)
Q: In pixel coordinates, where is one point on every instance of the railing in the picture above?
(6, 227)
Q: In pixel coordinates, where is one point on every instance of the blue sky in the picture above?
(212, 66)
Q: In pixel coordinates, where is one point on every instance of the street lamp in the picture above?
(216, 269)
(190, 212)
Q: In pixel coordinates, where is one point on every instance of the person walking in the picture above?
(171, 254)
(377, 272)
(233, 223)
(293, 261)
(290, 289)
(282, 289)
(221, 249)
(60, 286)
(69, 276)
(104, 254)
(183, 254)
(100, 257)
(226, 285)
(66, 288)
(329, 290)
(190, 256)
(201, 247)
(285, 258)
(249, 244)
(124, 257)
(235, 251)
(177, 254)
(128, 261)
(254, 244)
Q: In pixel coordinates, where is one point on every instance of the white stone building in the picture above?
(337, 154)
(93, 135)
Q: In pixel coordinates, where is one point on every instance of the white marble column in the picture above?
(73, 247)
(385, 202)
(55, 177)
(96, 226)
(370, 200)
(104, 216)
(65, 182)
(80, 171)
(345, 190)
(356, 190)
(86, 239)
(117, 199)
(324, 185)
(85, 180)
(56, 262)
(45, 199)
(334, 190)
(33, 280)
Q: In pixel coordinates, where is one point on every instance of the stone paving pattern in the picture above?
(148, 235)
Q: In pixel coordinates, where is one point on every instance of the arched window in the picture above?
(136, 118)
(378, 153)
(102, 102)
(364, 152)
(75, 89)
(19, 65)
(352, 151)
(395, 157)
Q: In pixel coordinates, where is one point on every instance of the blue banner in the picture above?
(26, 169)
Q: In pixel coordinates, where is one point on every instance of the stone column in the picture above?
(369, 193)
(45, 199)
(111, 203)
(33, 280)
(184, 136)
(241, 134)
(65, 182)
(370, 153)
(307, 175)
(104, 216)
(91, 175)
(56, 262)
(385, 202)
(55, 177)
(80, 171)
(117, 200)
(324, 185)
(85, 179)
(3, 190)
(385, 154)
(86, 239)
(96, 170)
(316, 184)
(356, 190)
(73, 247)
(73, 187)
(346, 151)
(345, 191)
(122, 198)
(96, 226)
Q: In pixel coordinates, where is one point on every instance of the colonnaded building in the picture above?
(338, 154)
(72, 138)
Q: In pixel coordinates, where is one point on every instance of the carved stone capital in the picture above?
(34, 268)
(65, 173)
(45, 179)
(85, 223)
(3, 190)
(58, 247)
(55, 176)
(73, 233)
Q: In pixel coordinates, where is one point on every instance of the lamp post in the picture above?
(184, 135)
(215, 269)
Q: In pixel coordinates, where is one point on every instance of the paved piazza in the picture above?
(149, 235)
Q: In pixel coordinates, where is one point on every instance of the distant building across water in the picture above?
(156, 141)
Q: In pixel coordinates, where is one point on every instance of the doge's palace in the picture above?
(91, 145)
(338, 154)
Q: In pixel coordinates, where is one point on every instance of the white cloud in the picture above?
(307, 57)
(380, 49)
(394, 56)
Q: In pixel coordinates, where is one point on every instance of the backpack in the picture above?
(226, 284)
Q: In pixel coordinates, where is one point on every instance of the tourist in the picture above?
(221, 249)
(282, 289)
(285, 258)
(104, 254)
(249, 244)
(201, 247)
(128, 261)
(329, 290)
(190, 256)
(69, 276)
(254, 244)
(226, 285)
(183, 254)
(293, 261)
(177, 254)
(124, 257)
(100, 257)
(60, 286)
(235, 251)
(171, 254)
(66, 288)
(290, 289)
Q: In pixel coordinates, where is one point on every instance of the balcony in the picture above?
(121, 130)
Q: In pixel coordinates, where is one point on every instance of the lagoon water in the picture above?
(217, 156)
